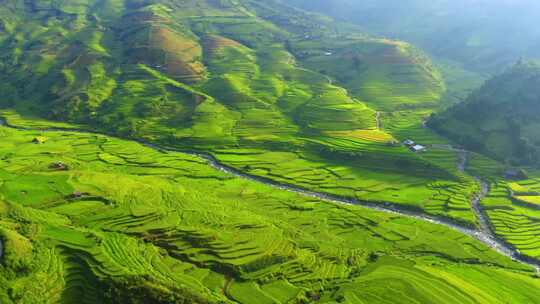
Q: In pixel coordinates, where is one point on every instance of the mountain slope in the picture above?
(80, 62)
(278, 94)
(501, 118)
(482, 35)
(262, 86)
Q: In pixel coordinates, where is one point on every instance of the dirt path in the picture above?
(378, 120)
(483, 234)
(463, 160)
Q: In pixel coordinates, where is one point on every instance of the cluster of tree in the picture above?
(141, 290)
(505, 107)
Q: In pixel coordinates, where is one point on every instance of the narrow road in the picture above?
(463, 159)
(378, 120)
(483, 234)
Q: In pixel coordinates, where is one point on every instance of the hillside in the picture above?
(81, 62)
(262, 86)
(482, 35)
(239, 151)
(501, 118)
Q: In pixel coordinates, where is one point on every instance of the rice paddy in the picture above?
(515, 214)
(267, 90)
(127, 217)
(263, 87)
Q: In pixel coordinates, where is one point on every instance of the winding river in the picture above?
(484, 233)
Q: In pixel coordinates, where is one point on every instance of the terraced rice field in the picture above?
(270, 92)
(515, 217)
(126, 216)
(361, 169)
(364, 135)
(266, 95)
(388, 75)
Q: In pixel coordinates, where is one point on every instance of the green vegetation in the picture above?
(509, 130)
(512, 206)
(264, 87)
(274, 92)
(389, 75)
(513, 220)
(126, 223)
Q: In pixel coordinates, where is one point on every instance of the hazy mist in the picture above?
(484, 34)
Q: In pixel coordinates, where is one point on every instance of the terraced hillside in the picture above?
(511, 205)
(86, 218)
(277, 94)
(263, 86)
(508, 131)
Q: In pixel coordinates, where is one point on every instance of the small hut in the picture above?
(39, 140)
(60, 166)
(418, 148)
(515, 174)
(409, 143)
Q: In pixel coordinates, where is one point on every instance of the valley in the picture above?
(483, 234)
(250, 151)
(157, 203)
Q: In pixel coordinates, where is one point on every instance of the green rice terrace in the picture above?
(94, 219)
(243, 151)
(511, 204)
(262, 86)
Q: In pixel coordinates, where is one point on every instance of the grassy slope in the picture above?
(248, 81)
(145, 227)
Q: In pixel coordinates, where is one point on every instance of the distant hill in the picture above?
(483, 35)
(502, 118)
